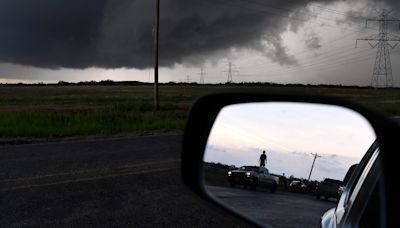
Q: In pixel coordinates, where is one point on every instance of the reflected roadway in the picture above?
(281, 209)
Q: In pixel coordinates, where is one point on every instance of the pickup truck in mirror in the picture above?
(253, 177)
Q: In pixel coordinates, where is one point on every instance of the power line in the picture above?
(320, 7)
(306, 51)
(334, 61)
(335, 57)
(302, 52)
(317, 69)
(328, 59)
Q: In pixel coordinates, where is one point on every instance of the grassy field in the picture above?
(59, 111)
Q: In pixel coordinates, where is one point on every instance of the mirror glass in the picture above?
(282, 164)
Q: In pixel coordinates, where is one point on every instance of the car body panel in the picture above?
(328, 219)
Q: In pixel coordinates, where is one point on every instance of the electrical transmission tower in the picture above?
(230, 72)
(312, 166)
(382, 75)
(202, 73)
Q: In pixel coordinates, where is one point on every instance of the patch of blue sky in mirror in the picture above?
(289, 132)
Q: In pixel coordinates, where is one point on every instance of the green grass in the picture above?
(107, 110)
(108, 121)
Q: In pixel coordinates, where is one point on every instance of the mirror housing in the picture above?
(205, 110)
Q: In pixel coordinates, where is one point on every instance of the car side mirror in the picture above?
(231, 129)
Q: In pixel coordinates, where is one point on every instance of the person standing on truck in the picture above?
(263, 159)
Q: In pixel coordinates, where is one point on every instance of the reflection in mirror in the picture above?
(283, 164)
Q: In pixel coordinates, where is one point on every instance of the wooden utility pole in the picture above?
(156, 35)
(312, 166)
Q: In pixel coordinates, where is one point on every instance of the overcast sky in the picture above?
(269, 41)
(289, 132)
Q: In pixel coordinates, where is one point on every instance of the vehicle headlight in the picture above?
(229, 173)
(248, 174)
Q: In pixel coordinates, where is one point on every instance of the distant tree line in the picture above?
(109, 82)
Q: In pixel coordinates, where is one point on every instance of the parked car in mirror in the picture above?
(329, 188)
(297, 186)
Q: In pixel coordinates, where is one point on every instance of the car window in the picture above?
(374, 206)
(368, 196)
(263, 170)
(345, 201)
(366, 160)
(349, 173)
(364, 174)
(249, 168)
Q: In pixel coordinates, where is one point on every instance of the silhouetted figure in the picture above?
(263, 159)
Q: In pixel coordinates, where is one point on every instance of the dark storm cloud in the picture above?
(371, 10)
(112, 34)
(298, 17)
(277, 52)
(49, 33)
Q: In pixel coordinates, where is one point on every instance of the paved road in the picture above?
(101, 183)
(280, 209)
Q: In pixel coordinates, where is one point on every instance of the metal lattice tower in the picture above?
(202, 73)
(230, 72)
(382, 75)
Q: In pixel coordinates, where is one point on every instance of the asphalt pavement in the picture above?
(280, 209)
(125, 182)
(122, 182)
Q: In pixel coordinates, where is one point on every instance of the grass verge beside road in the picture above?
(53, 111)
(107, 122)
